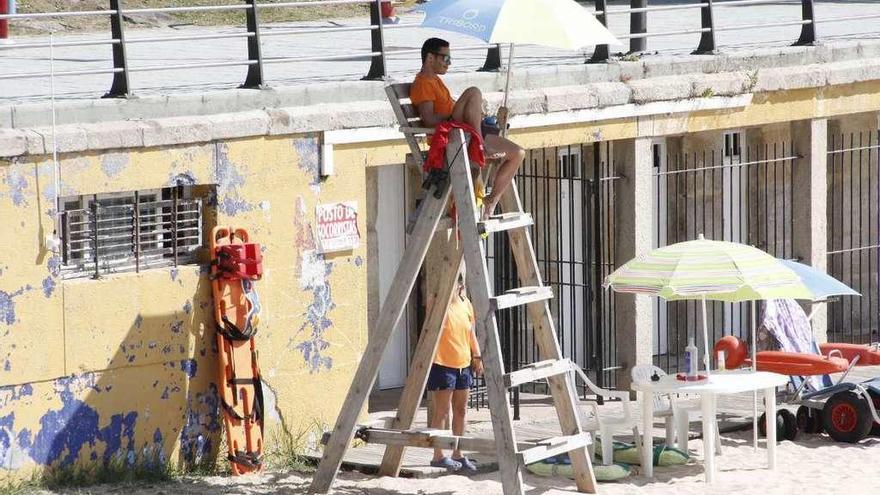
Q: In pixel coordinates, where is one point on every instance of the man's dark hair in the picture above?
(432, 45)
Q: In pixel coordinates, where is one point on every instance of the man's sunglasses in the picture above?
(447, 59)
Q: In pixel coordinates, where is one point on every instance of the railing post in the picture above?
(600, 53)
(707, 21)
(254, 78)
(120, 86)
(493, 60)
(377, 34)
(808, 30)
(638, 24)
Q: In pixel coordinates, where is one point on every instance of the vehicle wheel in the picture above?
(809, 420)
(762, 425)
(789, 429)
(786, 425)
(875, 428)
(847, 417)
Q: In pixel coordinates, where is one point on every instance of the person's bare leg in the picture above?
(504, 173)
(469, 108)
(459, 409)
(442, 402)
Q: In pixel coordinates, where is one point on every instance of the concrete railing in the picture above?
(638, 35)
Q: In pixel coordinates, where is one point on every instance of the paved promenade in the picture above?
(278, 42)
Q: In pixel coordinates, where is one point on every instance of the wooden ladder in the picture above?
(512, 455)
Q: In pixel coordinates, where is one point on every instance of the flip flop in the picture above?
(448, 463)
(467, 465)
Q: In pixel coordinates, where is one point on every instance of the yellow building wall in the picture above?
(124, 366)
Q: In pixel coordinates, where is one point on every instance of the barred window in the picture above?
(130, 231)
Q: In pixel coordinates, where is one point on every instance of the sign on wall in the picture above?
(337, 228)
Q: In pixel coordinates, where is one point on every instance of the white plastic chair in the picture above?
(607, 425)
(676, 411)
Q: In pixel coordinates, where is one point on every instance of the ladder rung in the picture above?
(520, 296)
(537, 371)
(429, 439)
(554, 446)
(505, 221)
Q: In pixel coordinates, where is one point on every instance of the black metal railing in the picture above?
(854, 234)
(569, 193)
(713, 17)
(741, 194)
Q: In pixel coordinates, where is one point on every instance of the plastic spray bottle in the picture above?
(691, 360)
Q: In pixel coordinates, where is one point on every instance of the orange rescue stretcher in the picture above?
(236, 264)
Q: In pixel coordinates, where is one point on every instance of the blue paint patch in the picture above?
(7, 304)
(166, 349)
(176, 326)
(48, 286)
(316, 321)
(309, 153)
(174, 272)
(188, 307)
(7, 366)
(358, 261)
(7, 423)
(24, 439)
(17, 184)
(202, 422)
(54, 265)
(189, 366)
(114, 164)
(138, 321)
(228, 179)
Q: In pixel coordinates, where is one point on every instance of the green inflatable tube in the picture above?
(627, 453)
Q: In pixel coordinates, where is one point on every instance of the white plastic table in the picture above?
(719, 383)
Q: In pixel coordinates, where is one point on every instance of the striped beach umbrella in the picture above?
(708, 270)
(716, 270)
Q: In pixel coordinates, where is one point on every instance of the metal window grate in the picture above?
(130, 231)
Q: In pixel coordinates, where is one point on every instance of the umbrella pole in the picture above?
(502, 116)
(509, 70)
(754, 368)
(707, 362)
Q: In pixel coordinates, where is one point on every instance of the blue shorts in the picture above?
(445, 378)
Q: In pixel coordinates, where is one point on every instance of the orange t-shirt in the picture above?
(426, 88)
(456, 338)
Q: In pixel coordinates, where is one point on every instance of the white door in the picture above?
(733, 208)
(661, 200)
(391, 235)
(572, 284)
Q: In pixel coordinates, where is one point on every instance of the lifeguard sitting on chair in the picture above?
(435, 104)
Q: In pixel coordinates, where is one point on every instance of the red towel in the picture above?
(440, 139)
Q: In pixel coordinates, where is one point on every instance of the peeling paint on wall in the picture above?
(229, 179)
(7, 304)
(309, 161)
(17, 184)
(314, 273)
(202, 418)
(114, 164)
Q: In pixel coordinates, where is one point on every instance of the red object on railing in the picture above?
(387, 8)
(4, 23)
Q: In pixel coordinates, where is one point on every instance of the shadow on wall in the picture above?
(155, 404)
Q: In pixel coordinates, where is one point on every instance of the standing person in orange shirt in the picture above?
(455, 364)
(432, 99)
